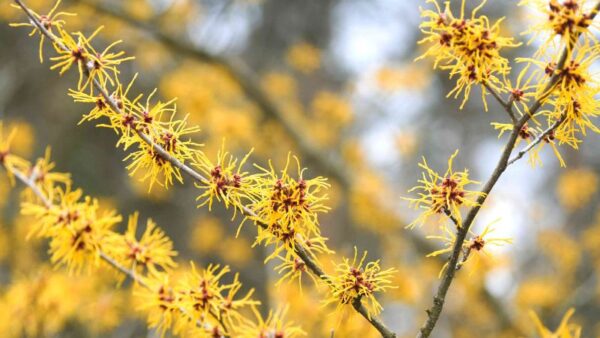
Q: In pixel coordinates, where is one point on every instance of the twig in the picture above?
(299, 248)
(541, 137)
(452, 218)
(507, 105)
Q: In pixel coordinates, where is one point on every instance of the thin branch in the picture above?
(329, 163)
(299, 248)
(452, 218)
(541, 137)
(507, 105)
(433, 313)
(29, 181)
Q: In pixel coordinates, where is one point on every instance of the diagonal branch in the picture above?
(507, 105)
(300, 250)
(329, 163)
(433, 313)
(29, 181)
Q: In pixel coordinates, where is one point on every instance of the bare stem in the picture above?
(507, 105)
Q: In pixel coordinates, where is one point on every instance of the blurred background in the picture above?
(334, 82)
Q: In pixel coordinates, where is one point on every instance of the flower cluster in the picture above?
(289, 207)
(76, 226)
(564, 85)
(567, 19)
(202, 297)
(443, 194)
(285, 207)
(468, 48)
(82, 236)
(359, 280)
(150, 128)
(49, 21)
(572, 102)
(152, 253)
(273, 326)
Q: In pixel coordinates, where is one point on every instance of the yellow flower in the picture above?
(273, 326)
(564, 330)
(76, 227)
(81, 243)
(443, 193)
(159, 300)
(565, 18)
(230, 305)
(103, 65)
(522, 90)
(288, 204)
(467, 47)
(45, 178)
(75, 54)
(357, 280)
(65, 210)
(203, 294)
(304, 57)
(576, 188)
(574, 99)
(474, 246)
(49, 21)
(227, 182)
(156, 167)
(292, 268)
(144, 117)
(153, 251)
(528, 134)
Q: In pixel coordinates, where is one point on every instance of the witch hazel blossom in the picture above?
(284, 205)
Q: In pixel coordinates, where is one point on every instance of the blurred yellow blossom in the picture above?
(304, 57)
(207, 233)
(545, 292)
(24, 142)
(406, 143)
(576, 187)
(333, 108)
(235, 251)
(404, 77)
(280, 85)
